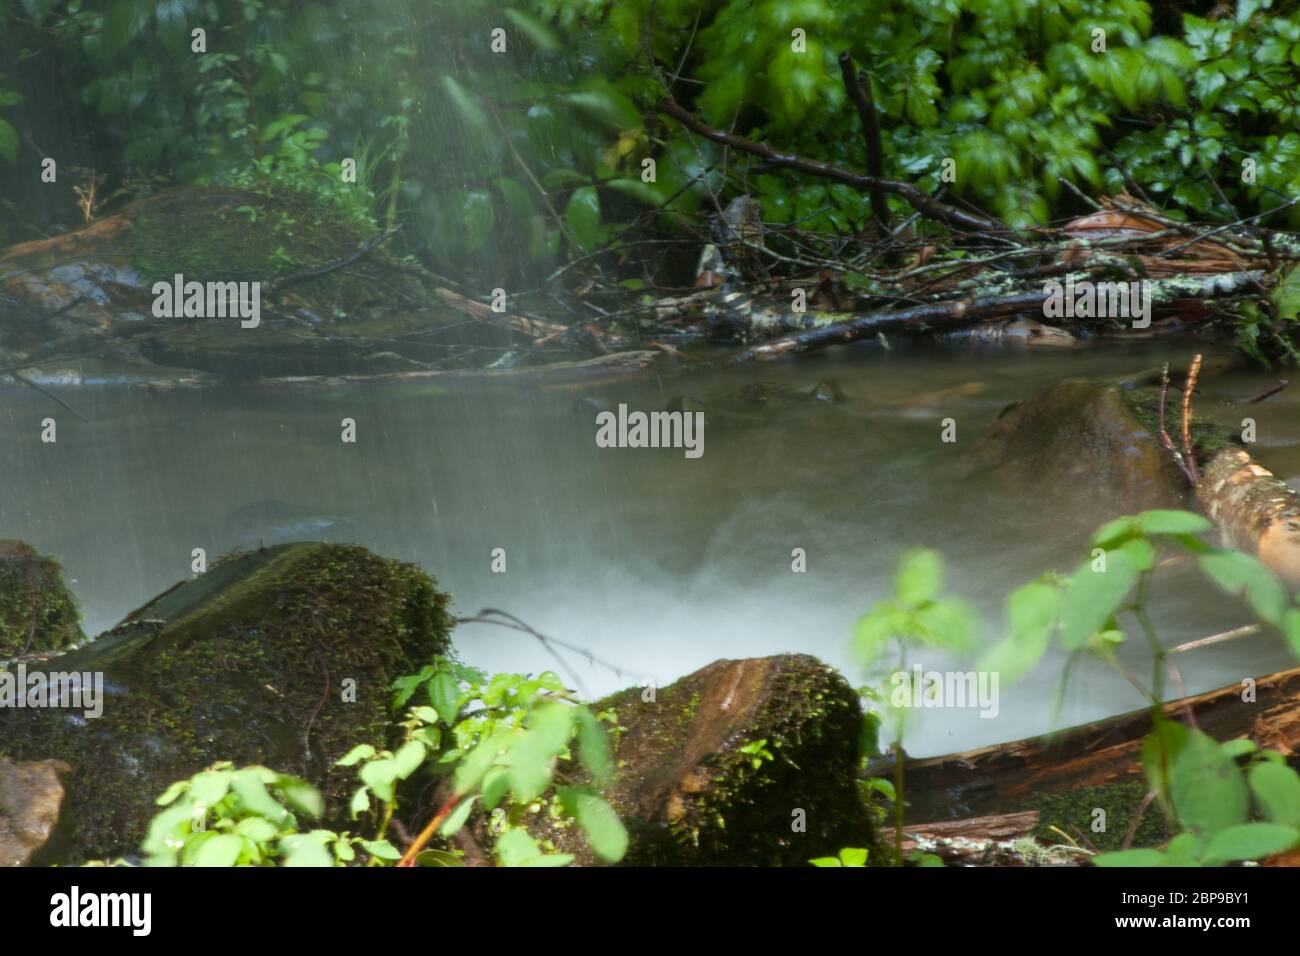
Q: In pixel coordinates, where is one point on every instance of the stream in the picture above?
(654, 562)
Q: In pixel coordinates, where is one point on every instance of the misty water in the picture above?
(652, 561)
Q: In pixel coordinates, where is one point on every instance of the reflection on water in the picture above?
(651, 560)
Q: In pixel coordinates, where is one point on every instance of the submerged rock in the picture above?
(749, 762)
(1090, 442)
(30, 796)
(280, 657)
(38, 613)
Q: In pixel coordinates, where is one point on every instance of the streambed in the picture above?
(652, 560)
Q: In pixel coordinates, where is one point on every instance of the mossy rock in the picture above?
(251, 662)
(37, 611)
(1090, 444)
(689, 795)
(373, 316)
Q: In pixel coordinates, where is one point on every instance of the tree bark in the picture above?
(1005, 777)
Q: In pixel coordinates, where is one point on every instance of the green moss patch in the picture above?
(37, 611)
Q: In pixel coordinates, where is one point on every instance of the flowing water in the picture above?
(652, 561)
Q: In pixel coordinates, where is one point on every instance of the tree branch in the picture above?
(918, 198)
(861, 96)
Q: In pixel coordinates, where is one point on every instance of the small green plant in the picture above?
(757, 752)
(914, 617)
(1209, 789)
(849, 856)
(511, 744)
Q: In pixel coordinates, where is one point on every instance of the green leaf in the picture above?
(1250, 841)
(302, 797)
(256, 829)
(852, 856)
(1277, 791)
(1208, 791)
(381, 849)
(304, 849)
(221, 849)
(250, 787)
(919, 578)
(530, 757)
(1032, 611)
(210, 787)
(360, 802)
(444, 695)
(1173, 522)
(355, 755)
(381, 776)
(583, 216)
(1291, 626)
(593, 747)
(516, 848)
(605, 831)
(1236, 573)
(1092, 597)
(171, 793)
(457, 818)
(408, 758)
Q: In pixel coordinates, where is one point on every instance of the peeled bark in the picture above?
(1254, 510)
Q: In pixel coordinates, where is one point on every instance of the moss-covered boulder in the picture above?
(749, 762)
(375, 315)
(37, 611)
(30, 796)
(1092, 444)
(281, 657)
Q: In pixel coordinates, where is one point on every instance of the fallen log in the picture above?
(941, 316)
(1010, 776)
(1254, 511)
(983, 841)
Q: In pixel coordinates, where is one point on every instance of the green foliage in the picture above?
(1212, 795)
(505, 744)
(538, 151)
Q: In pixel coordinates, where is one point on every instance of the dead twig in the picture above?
(1193, 373)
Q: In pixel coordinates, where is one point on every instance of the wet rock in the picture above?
(719, 768)
(1088, 442)
(97, 284)
(37, 611)
(280, 657)
(30, 796)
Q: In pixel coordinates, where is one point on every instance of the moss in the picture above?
(281, 657)
(1073, 812)
(690, 797)
(37, 611)
(1208, 437)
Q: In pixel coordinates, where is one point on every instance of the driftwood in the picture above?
(586, 373)
(959, 313)
(1254, 511)
(993, 780)
(978, 841)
